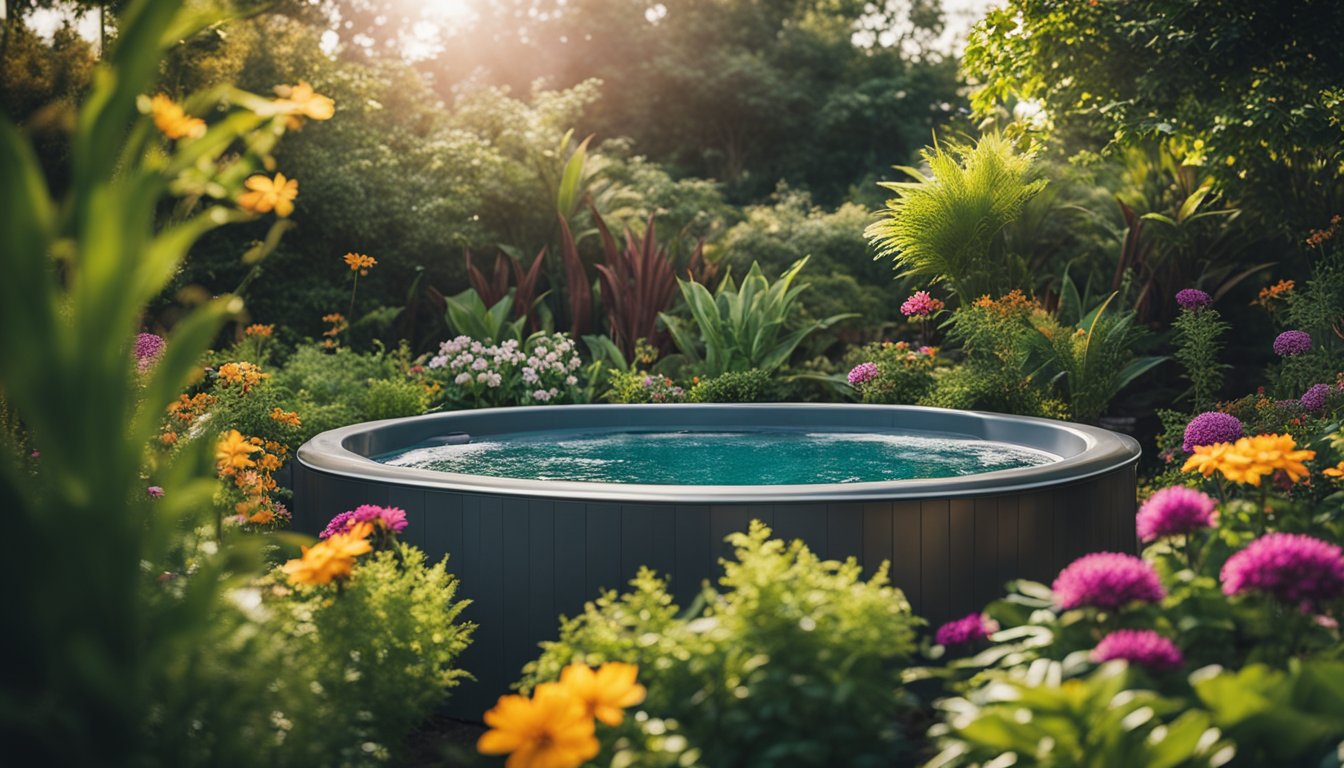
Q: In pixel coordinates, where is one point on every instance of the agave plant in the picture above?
(742, 328)
(948, 227)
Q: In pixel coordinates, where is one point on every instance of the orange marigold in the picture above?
(605, 692)
(259, 330)
(173, 121)
(1250, 459)
(360, 263)
(330, 559)
(288, 418)
(234, 451)
(552, 729)
(265, 195)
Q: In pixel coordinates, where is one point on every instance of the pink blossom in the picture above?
(1106, 580)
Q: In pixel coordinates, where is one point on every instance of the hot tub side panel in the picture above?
(525, 561)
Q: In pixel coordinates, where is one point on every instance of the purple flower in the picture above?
(1139, 646)
(388, 518)
(154, 491)
(1292, 567)
(1106, 580)
(1291, 343)
(1173, 512)
(1193, 299)
(966, 630)
(148, 347)
(921, 305)
(1314, 398)
(1209, 428)
(862, 373)
(339, 524)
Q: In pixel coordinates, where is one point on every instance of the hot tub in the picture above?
(527, 550)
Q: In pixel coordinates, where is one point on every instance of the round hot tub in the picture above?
(541, 508)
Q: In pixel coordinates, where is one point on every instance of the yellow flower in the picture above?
(233, 451)
(360, 263)
(550, 730)
(243, 373)
(302, 101)
(265, 195)
(288, 418)
(330, 559)
(605, 692)
(338, 324)
(1250, 459)
(1335, 471)
(173, 121)
(257, 329)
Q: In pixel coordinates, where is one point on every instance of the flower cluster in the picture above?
(184, 414)
(1251, 458)
(921, 306)
(557, 726)
(1291, 343)
(1139, 646)
(1277, 292)
(1107, 580)
(862, 373)
(477, 373)
(243, 373)
(1318, 237)
(257, 330)
(331, 559)
(1209, 428)
(1193, 299)
(661, 389)
(1174, 511)
(338, 325)
(148, 348)
(1315, 397)
(1012, 304)
(966, 630)
(385, 519)
(288, 418)
(250, 464)
(1294, 568)
(360, 263)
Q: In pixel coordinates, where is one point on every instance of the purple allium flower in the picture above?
(1106, 580)
(1291, 343)
(339, 524)
(148, 347)
(862, 373)
(155, 492)
(1193, 299)
(1174, 511)
(1290, 566)
(966, 630)
(921, 305)
(1314, 398)
(1139, 646)
(1209, 428)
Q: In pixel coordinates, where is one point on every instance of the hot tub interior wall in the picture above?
(524, 562)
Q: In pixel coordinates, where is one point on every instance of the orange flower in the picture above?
(168, 438)
(257, 329)
(1335, 471)
(360, 263)
(288, 418)
(243, 373)
(338, 324)
(1274, 293)
(299, 101)
(173, 121)
(1251, 458)
(233, 451)
(330, 559)
(269, 462)
(265, 195)
(605, 692)
(262, 516)
(550, 730)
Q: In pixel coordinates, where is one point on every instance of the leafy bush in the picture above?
(793, 660)
(752, 386)
(635, 386)
(392, 398)
(900, 375)
(1197, 336)
(329, 387)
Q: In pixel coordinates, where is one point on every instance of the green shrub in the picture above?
(904, 376)
(753, 386)
(791, 661)
(1197, 336)
(635, 386)
(392, 398)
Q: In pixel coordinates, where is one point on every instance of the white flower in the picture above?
(481, 377)
(571, 381)
(438, 361)
(462, 378)
(541, 395)
(530, 375)
(480, 364)
(494, 380)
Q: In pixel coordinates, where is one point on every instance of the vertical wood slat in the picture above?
(961, 555)
(541, 610)
(571, 557)
(906, 557)
(695, 549)
(1009, 561)
(876, 535)
(934, 555)
(844, 531)
(418, 517)
(602, 544)
(985, 569)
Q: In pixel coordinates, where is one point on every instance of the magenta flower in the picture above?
(1209, 428)
(862, 373)
(1193, 299)
(965, 631)
(154, 491)
(1291, 343)
(921, 306)
(1174, 511)
(1314, 398)
(1139, 646)
(1106, 580)
(390, 519)
(1292, 567)
(338, 524)
(148, 347)
(927, 350)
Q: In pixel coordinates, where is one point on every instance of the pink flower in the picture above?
(148, 347)
(862, 373)
(1174, 511)
(921, 306)
(966, 630)
(1139, 646)
(1292, 567)
(1107, 580)
(154, 491)
(390, 519)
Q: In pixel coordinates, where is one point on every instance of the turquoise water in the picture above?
(721, 458)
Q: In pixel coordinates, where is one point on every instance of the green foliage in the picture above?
(948, 227)
(997, 373)
(1246, 90)
(738, 329)
(904, 376)
(1276, 717)
(1198, 335)
(635, 386)
(328, 388)
(793, 660)
(370, 661)
(468, 316)
(392, 398)
(753, 386)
